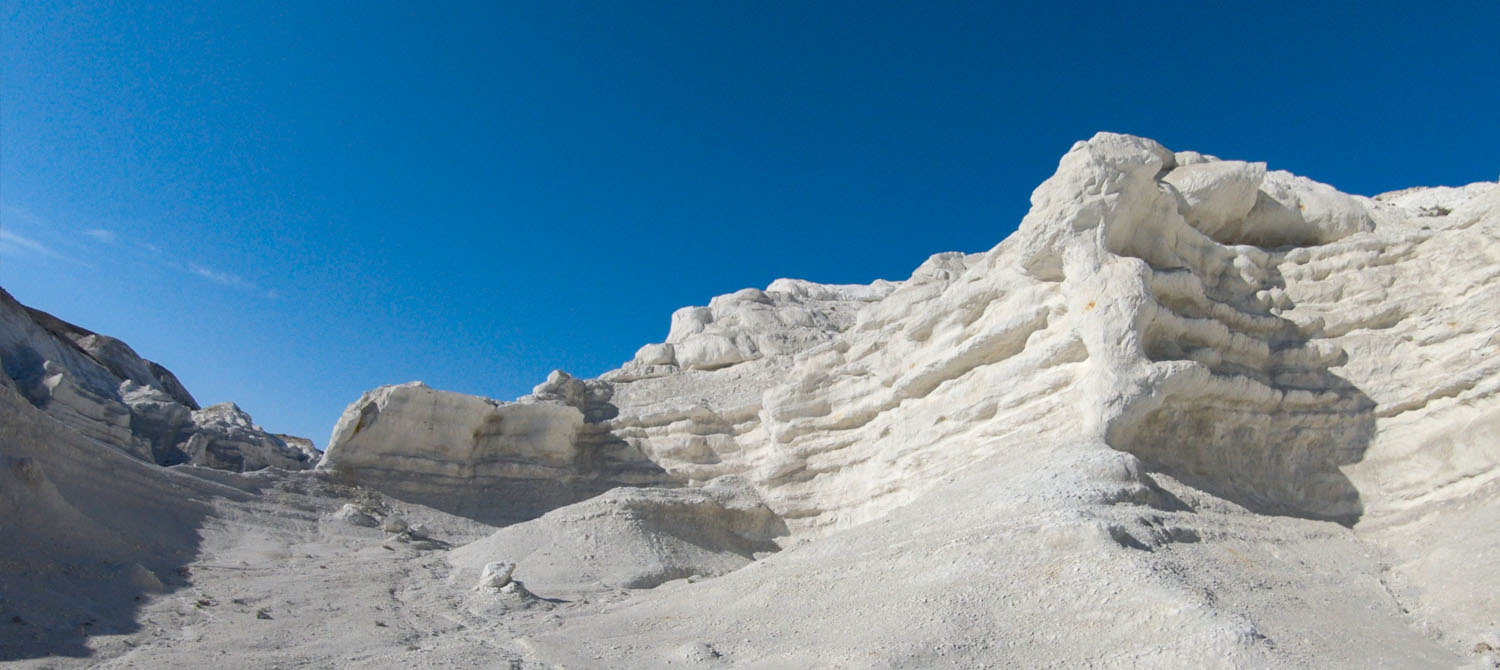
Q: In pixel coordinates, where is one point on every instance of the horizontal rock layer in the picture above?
(491, 461)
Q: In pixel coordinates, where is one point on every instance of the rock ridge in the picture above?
(100, 387)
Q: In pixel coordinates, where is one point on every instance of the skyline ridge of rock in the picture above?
(104, 389)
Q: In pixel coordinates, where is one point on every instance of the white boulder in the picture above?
(496, 575)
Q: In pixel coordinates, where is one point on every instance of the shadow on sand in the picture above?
(87, 534)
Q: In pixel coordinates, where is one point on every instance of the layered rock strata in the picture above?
(1174, 306)
(441, 449)
(98, 386)
(1193, 413)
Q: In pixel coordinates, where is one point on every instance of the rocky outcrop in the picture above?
(789, 316)
(310, 452)
(1173, 306)
(1158, 303)
(487, 460)
(114, 355)
(1173, 359)
(445, 449)
(223, 437)
(99, 386)
(1193, 413)
(1190, 364)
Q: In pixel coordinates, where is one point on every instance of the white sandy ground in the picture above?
(944, 582)
(1194, 414)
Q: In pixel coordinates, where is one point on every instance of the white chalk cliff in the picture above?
(1193, 413)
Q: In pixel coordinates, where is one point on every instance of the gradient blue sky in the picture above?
(288, 204)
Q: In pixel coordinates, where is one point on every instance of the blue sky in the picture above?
(288, 204)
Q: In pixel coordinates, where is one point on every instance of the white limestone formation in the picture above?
(1168, 338)
(439, 448)
(310, 454)
(789, 316)
(1193, 413)
(224, 437)
(1132, 301)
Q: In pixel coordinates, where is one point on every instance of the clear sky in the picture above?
(288, 204)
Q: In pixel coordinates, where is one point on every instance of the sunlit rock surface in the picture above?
(1193, 413)
(492, 461)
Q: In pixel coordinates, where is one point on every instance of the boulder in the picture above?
(496, 575)
(355, 516)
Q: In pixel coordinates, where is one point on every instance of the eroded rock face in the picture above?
(224, 437)
(491, 461)
(433, 447)
(99, 386)
(1172, 306)
(1163, 304)
(1126, 428)
(1173, 358)
(789, 316)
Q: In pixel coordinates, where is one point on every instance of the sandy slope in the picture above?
(943, 582)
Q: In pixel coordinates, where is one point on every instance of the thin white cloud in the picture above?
(101, 235)
(217, 277)
(15, 244)
(229, 279)
(141, 251)
(20, 213)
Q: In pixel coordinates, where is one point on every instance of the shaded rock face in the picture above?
(223, 437)
(88, 532)
(114, 355)
(1172, 306)
(98, 386)
(310, 452)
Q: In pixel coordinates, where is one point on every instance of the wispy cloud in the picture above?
(140, 251)
(231, 280)
(15, 244)
(225, 278)
(101, 235)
